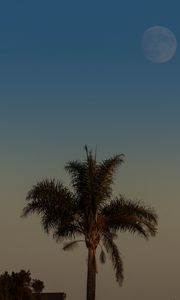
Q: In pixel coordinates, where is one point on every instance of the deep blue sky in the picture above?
(73, 73)
(84, 60)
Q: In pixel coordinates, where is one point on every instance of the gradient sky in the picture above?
(73, 73)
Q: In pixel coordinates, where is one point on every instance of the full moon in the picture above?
(159, 44)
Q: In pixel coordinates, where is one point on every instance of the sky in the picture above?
(74, 73)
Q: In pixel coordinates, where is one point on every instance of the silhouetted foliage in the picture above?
(16, 286)
(37, 285)
(89, 210)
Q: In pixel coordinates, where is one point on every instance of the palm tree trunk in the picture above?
(91, 275)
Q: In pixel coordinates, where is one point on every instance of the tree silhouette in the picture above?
(37, 285)
(90, 211)
(16, 286)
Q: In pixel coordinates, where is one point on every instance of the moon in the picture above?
(159, 44)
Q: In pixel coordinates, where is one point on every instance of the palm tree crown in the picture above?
(90, 211)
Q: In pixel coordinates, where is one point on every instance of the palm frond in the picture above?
(102, 256)
(65, 230)
(105, 176)
(79, 178)
(45, 194)
(83, 178)
(114, 254)
(130, 207)
(124, 214)
(71, 245)
(55, 204)
(92, 181)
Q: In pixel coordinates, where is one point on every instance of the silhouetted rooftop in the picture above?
(49, 296)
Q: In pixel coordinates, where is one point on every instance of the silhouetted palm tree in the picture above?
(89, 210)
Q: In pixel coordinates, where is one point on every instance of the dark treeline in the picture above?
(19, 286)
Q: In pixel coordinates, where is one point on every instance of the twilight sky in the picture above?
(73, 73)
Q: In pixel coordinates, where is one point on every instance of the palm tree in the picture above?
(90, 211)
